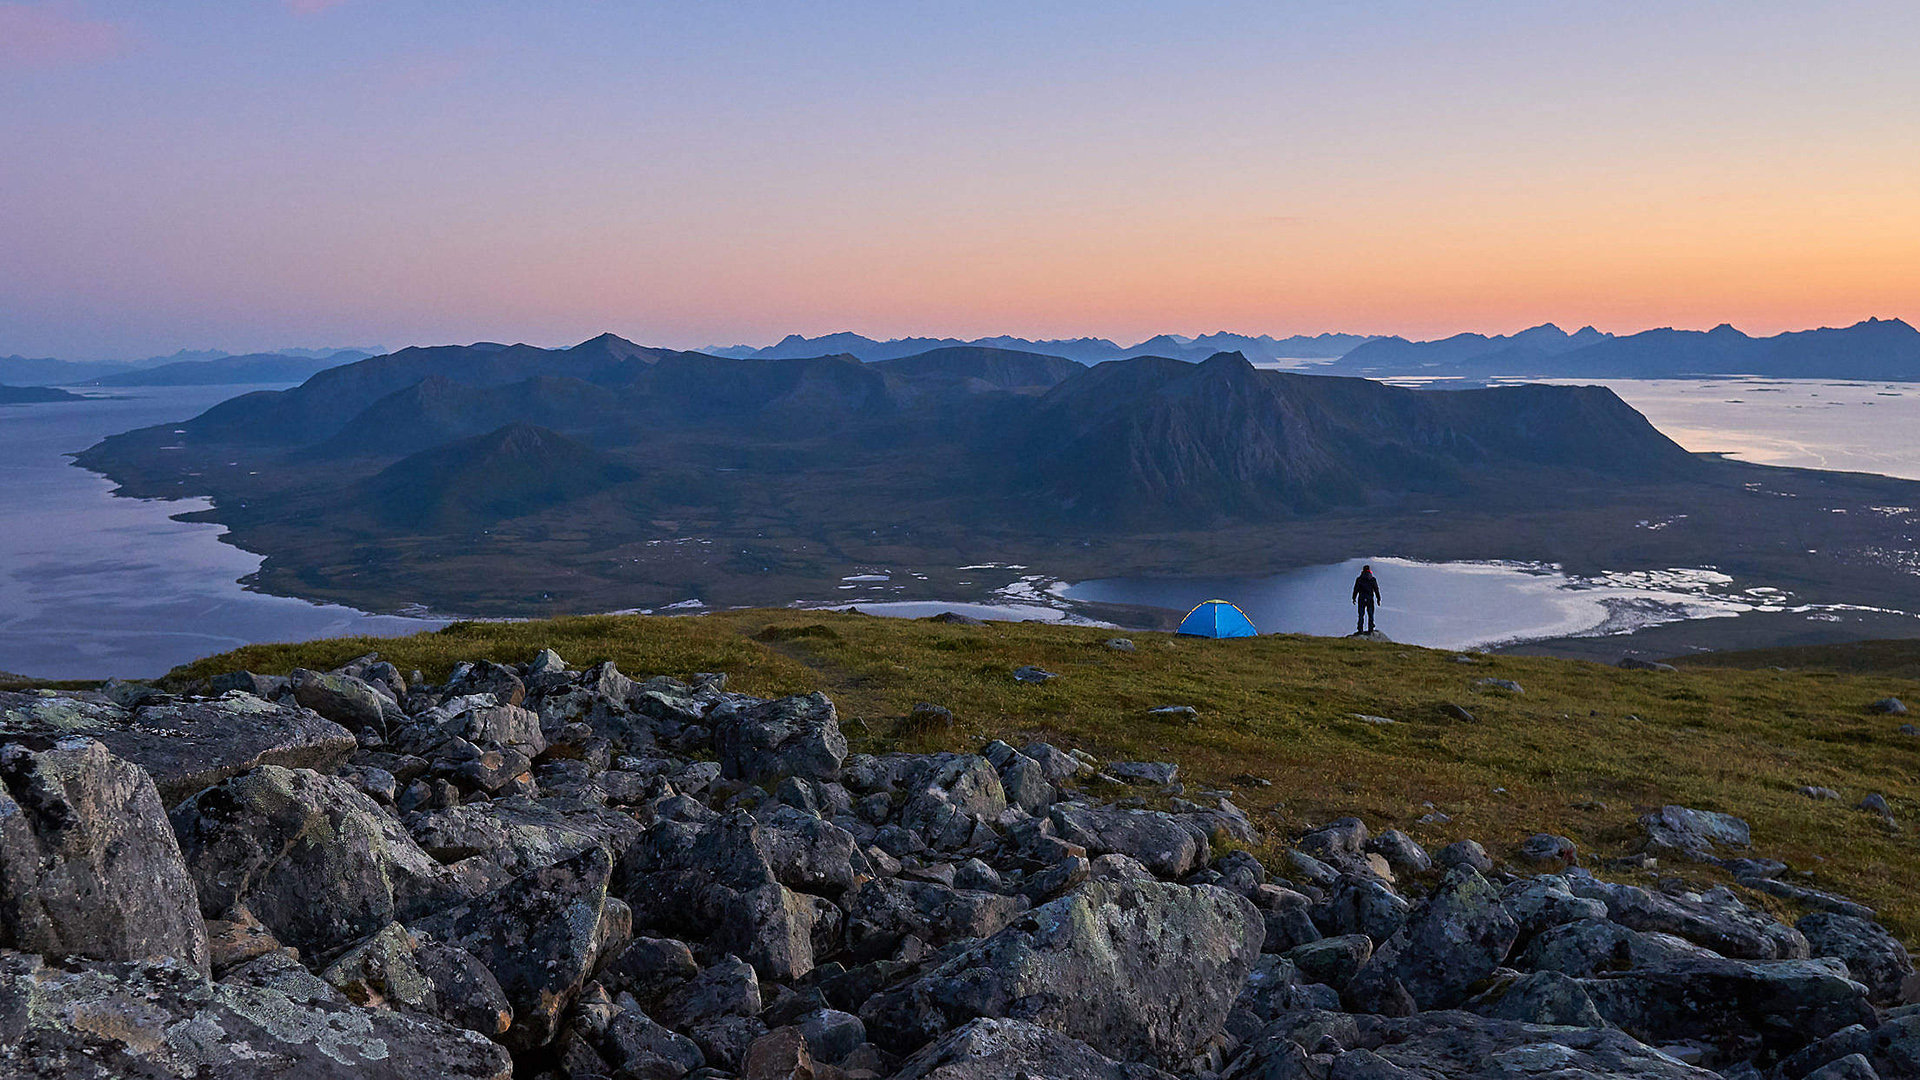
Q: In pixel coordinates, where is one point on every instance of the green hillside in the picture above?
(1582, 752)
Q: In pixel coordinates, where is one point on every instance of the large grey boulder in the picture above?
(953, 796)
(317, 862)
(161, 1021)
(343, 699)
(1700, 835)
(520, 834)
(1715, 919)
(542, 935)
(715, 882)
(1450, 943)
(397, 969)
(1167, 844)
(792, 736)
(88, 862)
(1741, 1007)
(185, 744)
(884, 911)
(1140, 971)
(1591, 946)
(1874, 957)
(989, 1049)
(1449, 1045)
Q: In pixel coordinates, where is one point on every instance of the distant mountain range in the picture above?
(1886, 349)
(1084, 350)
(197, 367)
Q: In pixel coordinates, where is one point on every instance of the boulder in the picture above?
(343, 699)
(1467, 853)
(1542, 903)
(1715, 919)
(106, 1021)
(1539, 997)
(186, 744)
(637, 1047)
(393, 968)
(1890, 706)
(954, 795)
(1739, 1007)
(886, 910)
(1450, 943)
(1449, 1045)
(89, 864)
(319, 864)
(1590, 946)
(1166, 844)
(542, 935)
(1874, 958)
(792, 736)
(1138, 970)
(1693, 834)
(520, 834)
(715, 881)
(994, 1049)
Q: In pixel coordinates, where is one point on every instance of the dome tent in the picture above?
(1217, 618)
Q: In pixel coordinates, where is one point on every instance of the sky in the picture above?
(247, 174)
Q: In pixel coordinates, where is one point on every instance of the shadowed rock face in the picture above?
(88, 862)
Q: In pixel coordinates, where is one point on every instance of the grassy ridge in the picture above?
(1582, 752)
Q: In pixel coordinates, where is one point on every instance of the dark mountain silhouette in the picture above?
(46, 371)
(1136, 439)
(507, 473)
(1874, 349)
(970, 367)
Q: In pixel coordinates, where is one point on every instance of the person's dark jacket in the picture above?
(1366, 589)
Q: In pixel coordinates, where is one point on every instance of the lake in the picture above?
(92, 585)
(1457, 605)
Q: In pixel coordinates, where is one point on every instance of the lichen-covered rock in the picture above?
(1542, 903)
(316, 861)
(886, 910)
(520, 834)
(1874, 957)
(1741, 1007)
(393, 968)
(1539, 997)
(993, 1049)
(343, 699)
(715, 882)
(1449, 1045)
(542, 935)
(953, 796)
(791, 736)
(1167, 844)
(185, 744)
(1138, 970)
(1451, 942)
(89, 864)
(160, 1021)
(1589, 946)
(1715, 919)
(1694, 834)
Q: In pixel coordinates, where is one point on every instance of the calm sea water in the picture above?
(92, 586)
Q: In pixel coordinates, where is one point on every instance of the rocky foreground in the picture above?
(544, 872)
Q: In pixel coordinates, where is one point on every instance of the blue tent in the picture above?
(1217, 618)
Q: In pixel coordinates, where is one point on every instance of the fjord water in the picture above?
(92, 585)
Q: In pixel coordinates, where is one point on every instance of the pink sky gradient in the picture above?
(49, 35)
(718, 173)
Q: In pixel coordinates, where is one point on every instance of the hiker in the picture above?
(1366, 593)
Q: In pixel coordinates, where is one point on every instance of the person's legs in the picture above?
(1369, 618)
(1363, 617)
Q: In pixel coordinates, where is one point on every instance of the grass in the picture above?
(1582, 752)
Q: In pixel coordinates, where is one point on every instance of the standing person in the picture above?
(1366, 593)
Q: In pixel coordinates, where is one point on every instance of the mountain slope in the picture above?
(251, 368)
(516, 470)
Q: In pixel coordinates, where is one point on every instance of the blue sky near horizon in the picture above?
(252, 174)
